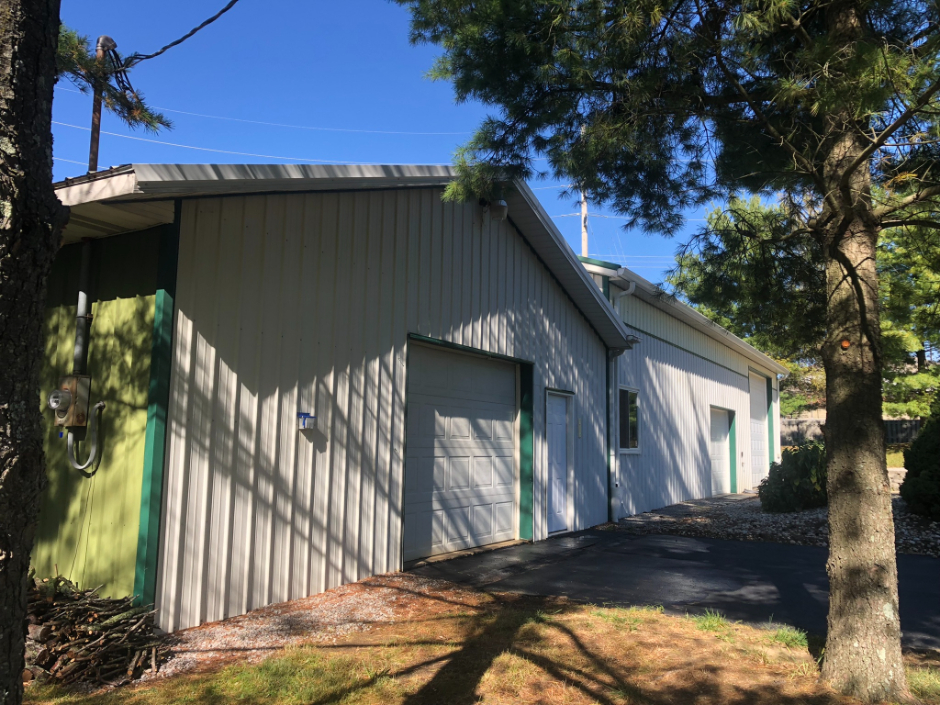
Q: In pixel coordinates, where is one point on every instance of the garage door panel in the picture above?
(460, 465)
(427, 501)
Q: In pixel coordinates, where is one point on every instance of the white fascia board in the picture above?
(603, 271)
(664, 301)
(116, 184)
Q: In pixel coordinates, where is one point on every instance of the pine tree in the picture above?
(36, 52)
(653, 106)
(30, 223)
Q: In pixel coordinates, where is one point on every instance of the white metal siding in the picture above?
(650, 320)
(676, 391)
(304, 302)
(760, 454)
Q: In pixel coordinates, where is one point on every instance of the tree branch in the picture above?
(911, 223)
(914, 198)
(878, 143)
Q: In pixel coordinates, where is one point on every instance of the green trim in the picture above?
(771, 443)
(605, 286)
(151, 491)
(610, 487)
(734, 453)
(526, 451)
(679, 347)
(467, 349)
(599, 263)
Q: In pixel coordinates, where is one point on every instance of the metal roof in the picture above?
(138, 196)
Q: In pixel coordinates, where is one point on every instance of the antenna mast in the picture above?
(584, 225)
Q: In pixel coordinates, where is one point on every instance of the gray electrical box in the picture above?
(69, 402)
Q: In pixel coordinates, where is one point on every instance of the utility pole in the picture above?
(584, 225)
(104, 45)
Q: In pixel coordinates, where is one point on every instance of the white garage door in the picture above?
(720, 452)
(760, 457)
(459, 465)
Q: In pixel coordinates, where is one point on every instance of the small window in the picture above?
(629, 420)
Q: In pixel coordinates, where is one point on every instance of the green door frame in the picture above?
(161, 362)
(732, 444)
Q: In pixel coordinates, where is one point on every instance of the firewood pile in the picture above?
(76, 636)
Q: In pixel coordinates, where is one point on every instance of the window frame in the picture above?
(639, 425)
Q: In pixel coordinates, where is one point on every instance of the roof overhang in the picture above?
(657, 297)
(139, 196)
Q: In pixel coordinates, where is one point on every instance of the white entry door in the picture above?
(760, 456)
(557, 431)
(720, 451)
(460, 457)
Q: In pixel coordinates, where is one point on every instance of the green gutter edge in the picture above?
(161, 358)
(599, 262)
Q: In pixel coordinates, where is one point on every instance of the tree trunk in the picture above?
(863, 644)
(30, 221)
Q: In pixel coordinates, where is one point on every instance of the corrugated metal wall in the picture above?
(88, 527)
(645, 318)
(677, 388)
(305, 302)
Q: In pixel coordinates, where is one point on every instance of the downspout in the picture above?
(612, 356)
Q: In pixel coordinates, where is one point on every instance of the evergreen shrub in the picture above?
(797, 482)
(921, 485)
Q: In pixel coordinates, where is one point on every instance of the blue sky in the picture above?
(344, 68)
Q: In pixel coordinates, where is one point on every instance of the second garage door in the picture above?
(460, 457)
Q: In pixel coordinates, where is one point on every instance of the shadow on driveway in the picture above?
(744, 580)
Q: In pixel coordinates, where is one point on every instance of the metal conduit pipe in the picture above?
(83, 319)
(82, 315)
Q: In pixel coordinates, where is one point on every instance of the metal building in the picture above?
(697, 410)
(454, 363)
(313, 374)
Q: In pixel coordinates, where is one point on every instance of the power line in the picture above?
(137, 58)
(70, 161)
(218, 151)
(295, 127)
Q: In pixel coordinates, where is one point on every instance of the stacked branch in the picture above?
(76, 636)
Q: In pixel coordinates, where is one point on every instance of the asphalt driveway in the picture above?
(748, 581)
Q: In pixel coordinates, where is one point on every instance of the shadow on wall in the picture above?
(673, 460)
(255, 511)
(88, 528)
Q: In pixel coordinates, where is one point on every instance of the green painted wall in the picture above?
(88, 528)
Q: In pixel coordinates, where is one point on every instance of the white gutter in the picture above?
(658, 298)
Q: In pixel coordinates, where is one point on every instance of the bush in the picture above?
(921, 486)
(797, 482)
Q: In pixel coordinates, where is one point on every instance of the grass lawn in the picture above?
(896, 454)
(468, 647)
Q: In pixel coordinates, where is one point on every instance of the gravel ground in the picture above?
(735, 517)
(322, 618)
